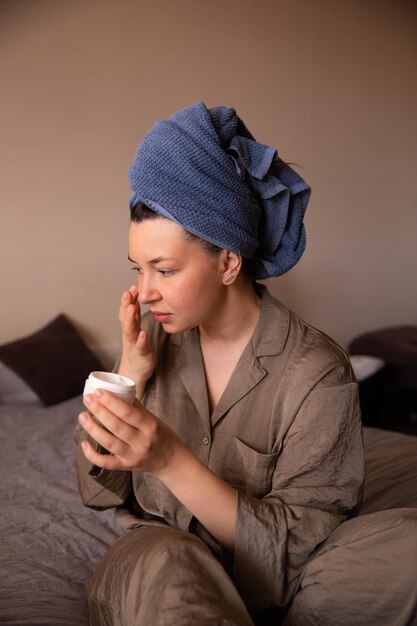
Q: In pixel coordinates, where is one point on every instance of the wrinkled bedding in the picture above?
(390, 470)
(50, 543)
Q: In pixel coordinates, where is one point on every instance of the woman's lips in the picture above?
(161, 317)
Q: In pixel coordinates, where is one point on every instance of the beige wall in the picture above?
(331, 83)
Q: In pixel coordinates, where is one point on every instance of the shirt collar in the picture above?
(271, 332)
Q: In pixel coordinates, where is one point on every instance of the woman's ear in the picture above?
(231, 266)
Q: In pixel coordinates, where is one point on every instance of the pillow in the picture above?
(54, 361)
(397, 346)
(13, 390)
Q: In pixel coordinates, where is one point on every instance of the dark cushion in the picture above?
(397, 346)
(54, 361)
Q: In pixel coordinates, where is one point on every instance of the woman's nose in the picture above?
(147, 290)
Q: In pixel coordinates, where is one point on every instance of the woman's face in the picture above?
(177, 279)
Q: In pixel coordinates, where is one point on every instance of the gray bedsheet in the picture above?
(390, 470)
(49, 542)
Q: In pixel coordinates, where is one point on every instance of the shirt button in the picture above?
(206, 441)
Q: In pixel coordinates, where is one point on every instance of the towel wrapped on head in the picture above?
(204, 170)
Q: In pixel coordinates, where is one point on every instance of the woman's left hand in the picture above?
(135, 438)
(138, 440)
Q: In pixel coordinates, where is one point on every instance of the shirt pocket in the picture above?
(250, 471)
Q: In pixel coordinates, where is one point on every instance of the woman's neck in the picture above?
(237, 317)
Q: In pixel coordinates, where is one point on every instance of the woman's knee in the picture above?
(144, 548)
(154, 574)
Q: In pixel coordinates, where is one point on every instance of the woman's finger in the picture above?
(135, 295)
(105, 461)
(105, 405)
(134, 291)
(143, 345)
(129, 315)
(113, 425)
(101, 435)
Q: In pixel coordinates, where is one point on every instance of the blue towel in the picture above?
(203, 169)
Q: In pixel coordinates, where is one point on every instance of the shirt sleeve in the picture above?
(316, 482)
(99, 488)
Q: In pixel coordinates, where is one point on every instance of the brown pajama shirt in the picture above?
(286, 434)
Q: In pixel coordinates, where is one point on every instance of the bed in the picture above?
(50, 543)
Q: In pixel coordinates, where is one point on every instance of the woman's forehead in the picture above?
(158, 237)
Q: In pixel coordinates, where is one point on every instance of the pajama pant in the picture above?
(364, 574)
(163, 577)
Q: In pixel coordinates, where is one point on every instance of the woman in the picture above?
(243, 451)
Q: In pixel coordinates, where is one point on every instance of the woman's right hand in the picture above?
(138, 356)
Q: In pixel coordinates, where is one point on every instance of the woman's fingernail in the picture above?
(82, 418)
(88, 399)
(84, 446)
(98, 393)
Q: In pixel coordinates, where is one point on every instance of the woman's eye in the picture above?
(164, 273)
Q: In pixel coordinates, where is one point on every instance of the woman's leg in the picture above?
(365, 574)
(163, 577)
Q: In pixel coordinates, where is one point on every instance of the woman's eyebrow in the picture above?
(158, 259)
(154, 261)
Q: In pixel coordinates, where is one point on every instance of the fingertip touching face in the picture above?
(178, 280)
